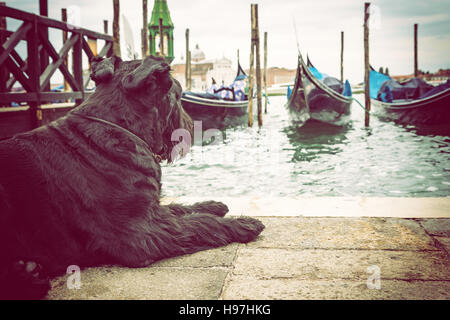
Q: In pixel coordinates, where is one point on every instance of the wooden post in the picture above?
(416, 67)
(105, 26)
(144, 29)
(188, 63)
(366, 63)
(3, 72)
(342, 56)
(265, 71)
(250, 86)
(44, 58)
(116, 28)
(64, 39)
(250, 76)
(77, 67)
(258, 67)
(34, 72)
(161, 38)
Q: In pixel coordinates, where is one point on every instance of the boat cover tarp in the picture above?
(437, 89)
(332, 82)
(386, 89)
(376, 79)
(412, 89)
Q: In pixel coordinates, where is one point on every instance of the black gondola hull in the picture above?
(312, 97)
(215, 113)
(433, 110)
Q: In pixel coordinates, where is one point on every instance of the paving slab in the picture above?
(295, 257)
(314, 264)
(219, 257)
(114, 283)
(344, 233)
(243, 287)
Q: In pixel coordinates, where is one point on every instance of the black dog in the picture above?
(85, 189)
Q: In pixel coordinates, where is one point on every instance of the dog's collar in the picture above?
(157, 157)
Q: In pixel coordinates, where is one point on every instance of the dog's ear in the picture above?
(150, 71)
(102, 69)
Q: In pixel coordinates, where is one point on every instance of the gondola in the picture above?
(213, 111)
(313, 99)
(433, 108)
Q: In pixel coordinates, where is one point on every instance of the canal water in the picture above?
(281, 160)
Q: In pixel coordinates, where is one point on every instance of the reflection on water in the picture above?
(314, 139)
(316, 160)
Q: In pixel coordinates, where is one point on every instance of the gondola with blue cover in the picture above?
(214, 110)
(413, 102)
(319, 97)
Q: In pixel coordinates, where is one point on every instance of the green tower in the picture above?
(161, 13)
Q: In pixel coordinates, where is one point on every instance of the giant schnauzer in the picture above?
(85, 189)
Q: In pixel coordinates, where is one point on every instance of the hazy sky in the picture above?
(222, 27)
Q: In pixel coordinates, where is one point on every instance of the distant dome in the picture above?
(197, 54)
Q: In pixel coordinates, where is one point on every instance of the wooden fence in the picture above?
(32, 75)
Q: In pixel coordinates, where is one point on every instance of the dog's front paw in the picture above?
(28, 281)
(246, 229)
(212, 207)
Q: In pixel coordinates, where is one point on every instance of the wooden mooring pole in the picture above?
(258, 69)
(342, 56)
(250, 76)
(255, 50)
(366, 63)
(187, 71)
(144, 29)
(265, 72)
(116, 28)
(105, 26)
(416, 66)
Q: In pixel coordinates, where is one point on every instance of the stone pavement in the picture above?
(300, 257)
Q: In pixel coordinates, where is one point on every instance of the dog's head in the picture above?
(143, 98)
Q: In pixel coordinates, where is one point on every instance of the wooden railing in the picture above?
(34, 73)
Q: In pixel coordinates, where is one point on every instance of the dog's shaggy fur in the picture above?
(85, 192)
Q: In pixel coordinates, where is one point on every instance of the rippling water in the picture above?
(315, 160)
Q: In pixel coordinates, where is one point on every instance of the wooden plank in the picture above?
(17, 73)
(77, 65)
(22, 65)
(4, 74)
(15, 122)
(13, 40)
(87, 49)
(64, 40)
(44, 58)
(19, 97)
(26, 16)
